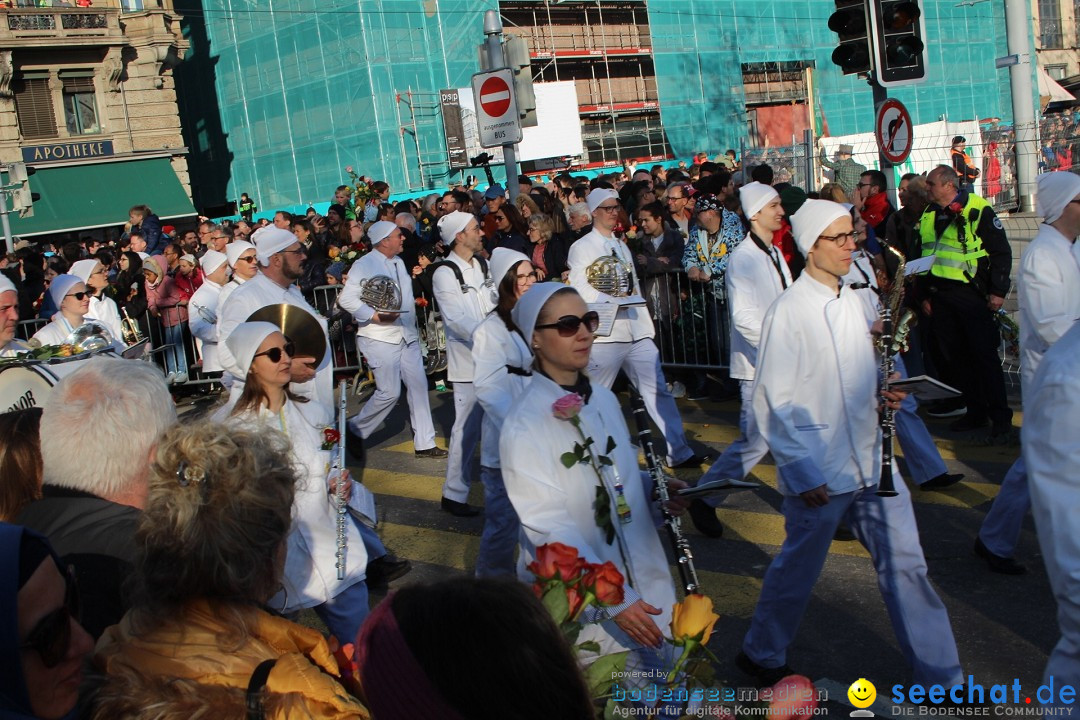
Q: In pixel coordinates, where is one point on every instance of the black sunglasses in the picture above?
(79, 295)
(274, 353)
(51, 637)
(568, 325)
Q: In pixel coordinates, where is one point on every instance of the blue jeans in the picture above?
(175, 360)
(501, 525)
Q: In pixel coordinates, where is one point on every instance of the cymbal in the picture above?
(298, 325)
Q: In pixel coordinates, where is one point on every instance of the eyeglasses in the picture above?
(301, 251)
(608, 208)
(221, 237)
(247, 258)
(522, 278)
(568, 325)
(842, 239)
(864, 185)
(676, 197)
(51, 637)
(274, 353)
(80, 296)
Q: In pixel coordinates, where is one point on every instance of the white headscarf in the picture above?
(502, 259)
(235, 249)
(380, 231)
(245, 340)
(271, 240)
(58, 288)
(6, 285)
(212, 260)
(1055, 190)
(812, 219)
(598, 196)
(82, 269)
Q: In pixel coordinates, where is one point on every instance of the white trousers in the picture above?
(392, 364)
(464, 436)
(641, 361)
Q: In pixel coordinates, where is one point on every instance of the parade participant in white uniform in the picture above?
(464, 304)
(756, 275)
(502, 365)
(310, 576)
(204, 305)
(630, 345)
(281, 257)
(1049, 297)
(68, 293)
(389, 342)
(9, 319)
(556, 503)
(102, 308)
(815, 399)
(1051, 442)
(243, 264)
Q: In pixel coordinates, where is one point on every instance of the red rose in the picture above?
(794, 696)
(555, 561)
(574, 600)
(605, 582)
(330, 435)
(421, 302)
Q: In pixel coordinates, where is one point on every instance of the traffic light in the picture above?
(22, 198)
(849, 23)
(516, 54)
(899, 49)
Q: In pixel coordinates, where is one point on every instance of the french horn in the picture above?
(381, 293)
(611, 276)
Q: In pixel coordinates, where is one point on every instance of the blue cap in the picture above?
(494, 191)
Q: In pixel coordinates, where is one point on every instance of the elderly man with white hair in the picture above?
(203, 308)
(389, 341)
(1049, 289)
(465, 295)
(9, 318)
(99, 427)
(815, 399)
(630, 345)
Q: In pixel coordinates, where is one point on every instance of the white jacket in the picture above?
(555, 504)
(202, 321)
(495, 347)
(310, 576)
(632, 323)
(462, 312)
(58, 331)
(815, 395)
(367, 267)
(752, 286)
(104, 310)
(1048, 285)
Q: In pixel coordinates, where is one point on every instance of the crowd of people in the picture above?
(142, 541)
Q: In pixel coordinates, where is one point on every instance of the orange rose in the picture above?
(555, 561)
(574, 600)
(605, 582)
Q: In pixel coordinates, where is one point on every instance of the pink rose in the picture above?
(794, 696)
(348, 168)
(568, 406)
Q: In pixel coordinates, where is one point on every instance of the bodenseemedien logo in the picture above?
(974, 699)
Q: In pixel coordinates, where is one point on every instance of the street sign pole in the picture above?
(493, 34)
(880, 96)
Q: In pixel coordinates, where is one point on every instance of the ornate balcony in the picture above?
(97, 25)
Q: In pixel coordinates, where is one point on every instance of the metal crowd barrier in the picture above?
(691, 322)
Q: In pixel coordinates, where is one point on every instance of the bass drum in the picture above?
(25, 385)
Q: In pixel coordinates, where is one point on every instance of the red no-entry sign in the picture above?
(495, 97)
(496, 110)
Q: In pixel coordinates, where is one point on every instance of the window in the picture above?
(131, 5)
(80, 104)
(1056, 72)
(34, 107)
(1050, 24)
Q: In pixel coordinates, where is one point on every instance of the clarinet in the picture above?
(339, 497)
(683, 556)
(894, 323)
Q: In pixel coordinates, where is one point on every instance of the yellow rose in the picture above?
(334, 251)
(693, 619)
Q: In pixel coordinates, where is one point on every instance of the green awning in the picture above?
(80, 197)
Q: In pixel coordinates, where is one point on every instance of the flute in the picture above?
(684, 558)
(342, 538)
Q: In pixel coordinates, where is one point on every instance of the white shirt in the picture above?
(228, 289)
(257, 293)
(752, 285)
(104, 310)
(815, 392)
(462, 312)
(495, 347)
(1048, 285)
(631, 323)
(202, 321)
(58, 331)
(367, 267)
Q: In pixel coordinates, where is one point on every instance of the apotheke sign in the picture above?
(67, 151)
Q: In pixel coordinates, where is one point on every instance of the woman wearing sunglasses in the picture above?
(502, 368)
(556, 503)
(39, 626)
(72, 297)
(310, 577)
(202, 638)
(102, 308)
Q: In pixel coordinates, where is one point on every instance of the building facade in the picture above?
(87, 99)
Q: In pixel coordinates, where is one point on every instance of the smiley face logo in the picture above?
(862, 693)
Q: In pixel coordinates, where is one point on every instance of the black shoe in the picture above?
(968, 423)
(386, 569)
(694, 461)
(459, 509)
(704, 519)
(996, 563)
(843, 533)
(946, 409)
(1000, 435)
(763, 677)
(942, 481)
(432, 452)
(354, 444)
(701, 393)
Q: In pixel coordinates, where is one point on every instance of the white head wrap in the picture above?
(235, 249)
(82, 269)
(502, 259)
(453, 223)
(244, 341)
(59, 287)
(211, 260)
(270, 241)
(6, 285)
(598, 196)
(812, 219)
(754, 197)
(1055, 190)
(529, 305)
(189, 258)
(380, 231)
